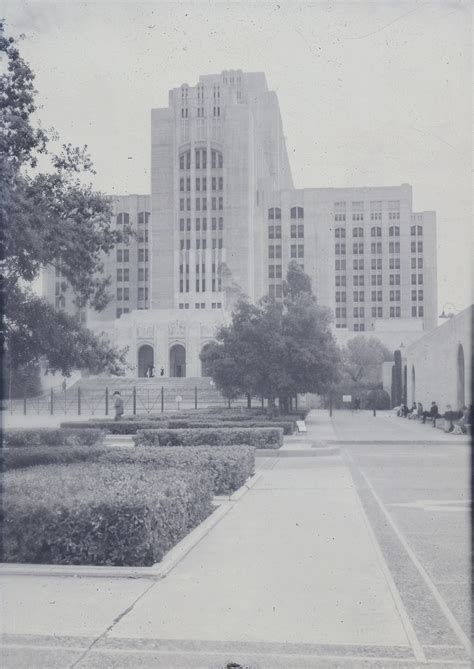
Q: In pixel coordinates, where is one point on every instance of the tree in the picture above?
(362, 361)
(49, 219)
(274, 349)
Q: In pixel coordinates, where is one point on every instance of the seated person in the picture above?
(419, 410)
(433, 413)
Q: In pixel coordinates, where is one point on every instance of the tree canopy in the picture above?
(362, 361)
(49, 218)
(276, 349)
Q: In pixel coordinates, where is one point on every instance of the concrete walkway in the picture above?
(292, 576)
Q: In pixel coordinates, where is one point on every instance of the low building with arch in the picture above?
(168, 341)
(439, 365)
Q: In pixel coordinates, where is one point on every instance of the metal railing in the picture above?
(136, 401)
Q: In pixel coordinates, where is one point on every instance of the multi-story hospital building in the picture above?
(224, 215)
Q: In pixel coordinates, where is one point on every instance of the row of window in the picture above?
(124, 294)
(216, 285)
(200, 305)
(217, 183)
(274, 213)
(200, 159)
(358, 248)
(124, 219)
(201, 224)
(375, 231)
(123, 255)
(375, 280)
(216, 111)
(200, 267)
(217, 204)
(274, 272)
(123, 275)
(375, 263)
(185, 244)
(374, 216)
(296, 231)
(377, 312)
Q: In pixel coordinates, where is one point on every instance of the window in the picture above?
(119, 255)
(358, 232)
(413, 247)
(413, 311)
(214, 204)
(181, 184)
(188, 225)
(376, 231)
(413, 279)
(340, 249)
(358, 248)
(420, 311)
(300, 231)
(296, 212)
(271, 271)
(394, 247)
(221, 204)
(340, 280)
(181, 204)
(221, 223)
(394, 231)
(141, 293)
(126, 255)
(123, 219)
(340, 232)
(119, 294)
(420, 247)
(293, 231)
(300, 251)
(271, 252)
(420, 295)
(376, 247)
(420, 263)
(413, 263)
(420, 278)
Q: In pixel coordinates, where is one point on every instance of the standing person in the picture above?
(118, 405)
(64, 385)
(357, 403)
(419, 410)
(162, 371)
(152, 371)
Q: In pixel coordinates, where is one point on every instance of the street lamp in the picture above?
(452, 309)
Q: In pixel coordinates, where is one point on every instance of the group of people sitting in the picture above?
(455, 421)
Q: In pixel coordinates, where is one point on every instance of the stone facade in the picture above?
(439, 365)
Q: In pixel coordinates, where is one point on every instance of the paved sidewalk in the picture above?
(292, 576)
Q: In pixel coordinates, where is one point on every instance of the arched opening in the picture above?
(461, 383)
(177, 360)
(145, 360)
(413, 384)
(205, 370)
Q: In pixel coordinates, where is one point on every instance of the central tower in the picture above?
(212, 148)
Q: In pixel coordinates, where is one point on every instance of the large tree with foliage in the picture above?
(276, 349)
(48, 218)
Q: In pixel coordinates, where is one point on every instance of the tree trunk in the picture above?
(249, 401)
(271, 407)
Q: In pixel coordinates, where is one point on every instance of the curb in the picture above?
(312, 452)
(157, 571)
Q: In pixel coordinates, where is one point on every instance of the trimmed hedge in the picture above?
(260, 437)
(229, 467)
(118, 426)
(288, 427)
(16, 438)
(102, 515)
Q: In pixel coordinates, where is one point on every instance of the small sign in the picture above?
(300, 424)
(178, 399)
(347, 398)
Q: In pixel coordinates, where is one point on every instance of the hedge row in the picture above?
(287, 426)
(13, 438)
(101, 515)
(118, 426)
(264, 437)
(229, 467)
(131, 426)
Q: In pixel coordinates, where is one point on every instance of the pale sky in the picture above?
(371, 94)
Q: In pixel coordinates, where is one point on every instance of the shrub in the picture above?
(263, 437)
(287, 426)
(229, 466)
(30, 456)
(102, 515)
(117, 426)
(14, 438)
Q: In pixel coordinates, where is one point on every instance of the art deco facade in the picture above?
(223, 212)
